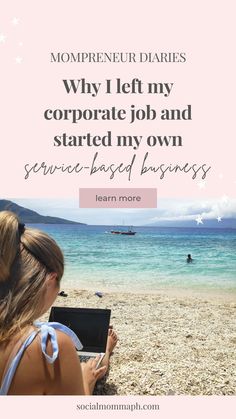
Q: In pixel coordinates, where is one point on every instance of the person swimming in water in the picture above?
(189, 258)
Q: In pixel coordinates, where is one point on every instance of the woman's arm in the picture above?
(64, 376)
(67, 376)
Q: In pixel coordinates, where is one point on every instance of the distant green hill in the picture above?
(32, 217)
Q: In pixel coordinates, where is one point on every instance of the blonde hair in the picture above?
(26, 257)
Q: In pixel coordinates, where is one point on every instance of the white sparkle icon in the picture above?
(15, 21)
(201, 184)
(199, 219)
(219, 219)
(2, 38)
(20, 44)
(18, 60)
(221, 176)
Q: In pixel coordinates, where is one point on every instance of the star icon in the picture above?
(201, 184)
(18, 60)
(219, 219)
(2, 38)
(199, 219)
(15, 21)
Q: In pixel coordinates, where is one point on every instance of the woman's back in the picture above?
(45, 360)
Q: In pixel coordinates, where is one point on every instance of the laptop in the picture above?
(89, 324)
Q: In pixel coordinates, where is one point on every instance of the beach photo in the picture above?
(171, 293)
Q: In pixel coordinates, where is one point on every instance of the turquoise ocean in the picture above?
(153, 259)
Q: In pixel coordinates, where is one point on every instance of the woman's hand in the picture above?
(91, 374)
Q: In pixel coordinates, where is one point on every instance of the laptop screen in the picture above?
(89, 324)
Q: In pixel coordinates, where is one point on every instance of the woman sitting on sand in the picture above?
(37, 359)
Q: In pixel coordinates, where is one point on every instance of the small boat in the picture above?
(128, 233)
(124, 232)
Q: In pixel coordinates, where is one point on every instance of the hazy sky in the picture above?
(168, 210)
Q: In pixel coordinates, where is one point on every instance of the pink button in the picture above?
(118, 198)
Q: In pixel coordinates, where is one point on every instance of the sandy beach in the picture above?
(169, 343)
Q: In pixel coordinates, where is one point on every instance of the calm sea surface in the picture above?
(152, 259)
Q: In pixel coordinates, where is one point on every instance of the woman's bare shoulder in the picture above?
(67, 374)
(63, 376)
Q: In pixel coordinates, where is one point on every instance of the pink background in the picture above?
(203, 30)
(170, 407)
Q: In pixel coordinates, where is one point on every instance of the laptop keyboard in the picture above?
(85, 358)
